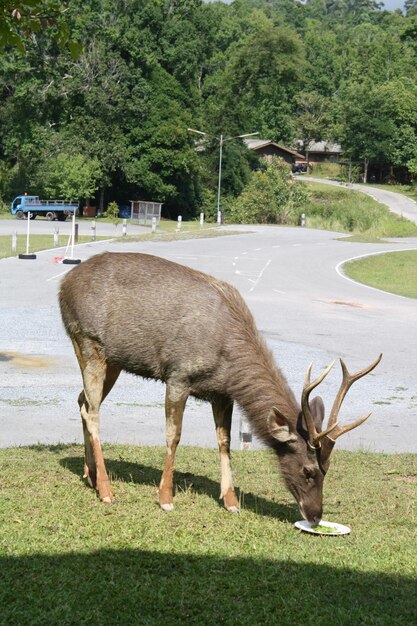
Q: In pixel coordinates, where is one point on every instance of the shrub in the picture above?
(271, 197)
(112, 212)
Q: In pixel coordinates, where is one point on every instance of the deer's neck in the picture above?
(258, 385)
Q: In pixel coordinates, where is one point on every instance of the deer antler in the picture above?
(313, 435)
(348, 380)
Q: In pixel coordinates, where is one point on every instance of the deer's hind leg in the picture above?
(222, 413)
(98, 378)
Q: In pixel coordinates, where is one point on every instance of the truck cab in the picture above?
(18, 206)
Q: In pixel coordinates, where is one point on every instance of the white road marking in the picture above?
(279, 291)
(58, 275)
(260, 274)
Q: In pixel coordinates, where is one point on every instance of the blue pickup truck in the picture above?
(22, 206)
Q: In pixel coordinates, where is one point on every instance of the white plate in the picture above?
(339, 529)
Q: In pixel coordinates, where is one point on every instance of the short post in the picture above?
(124, 228)
(56, 237)
(75, 231)
(93, 230)
(179, 222)
(14, 242)
(245, 434)
(27, 255)
(70, 260)
(154, 224)
(303, 219)
(219, 217)
(201, 220)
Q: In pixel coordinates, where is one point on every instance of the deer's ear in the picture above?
(279, 427)
(317, 410)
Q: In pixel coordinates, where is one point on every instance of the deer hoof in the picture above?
(233, 509)
(167, 507)
(108, 500)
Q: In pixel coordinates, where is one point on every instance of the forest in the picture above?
(97, 100)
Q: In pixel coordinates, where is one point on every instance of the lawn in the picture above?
(66, 558)
(36, 243)
(395, 272)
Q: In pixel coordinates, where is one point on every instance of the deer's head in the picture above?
(304, 453)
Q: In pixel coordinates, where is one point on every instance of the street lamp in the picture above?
(221, 141)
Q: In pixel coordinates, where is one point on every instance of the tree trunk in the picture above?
(101, 201)
(365, 170)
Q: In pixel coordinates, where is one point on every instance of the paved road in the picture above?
(305, 308)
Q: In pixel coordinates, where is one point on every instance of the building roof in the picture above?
(257, 144)
(322, 146)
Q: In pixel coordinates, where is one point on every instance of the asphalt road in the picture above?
(306, 309)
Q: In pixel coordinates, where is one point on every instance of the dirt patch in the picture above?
(408, 478)
(25, 360)
(355, 305)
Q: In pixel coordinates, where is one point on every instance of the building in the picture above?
(266, 148)
(319, 151)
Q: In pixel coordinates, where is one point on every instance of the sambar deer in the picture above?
(161, 320)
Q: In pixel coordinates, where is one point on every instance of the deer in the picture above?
(160, 320)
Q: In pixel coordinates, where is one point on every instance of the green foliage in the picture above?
(21, 19)
(271, 197)
(148, 70)
(70, 176)
(112, 212)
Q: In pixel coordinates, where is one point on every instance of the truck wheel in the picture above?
(20, 215)
(33, 216)
(50, 216)
(61, 217)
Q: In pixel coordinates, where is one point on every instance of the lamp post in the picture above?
(221, 141)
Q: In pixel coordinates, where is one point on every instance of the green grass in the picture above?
(36, 243)
(344, 210)
(395, 272)
(65, 558)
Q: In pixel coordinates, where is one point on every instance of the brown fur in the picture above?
(157, 319)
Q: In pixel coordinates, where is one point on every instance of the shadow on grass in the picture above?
(111, 587)
(147, 475)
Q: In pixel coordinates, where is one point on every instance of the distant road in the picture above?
(396, 202)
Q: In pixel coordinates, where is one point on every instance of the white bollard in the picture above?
(245, 434)
(303, 219)
(14, 242)
(56, 237)
(124, 228)
(201, 220)
(219, 217)
(93, 230)
(179, 222)
(27, 255)
(74, 234)
(154, 224)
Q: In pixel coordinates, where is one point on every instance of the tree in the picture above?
(271, 197)
(311, 117)
(69, 176)
(19, 19)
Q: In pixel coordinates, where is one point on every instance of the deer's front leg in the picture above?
(222, 413)
(175, 400)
